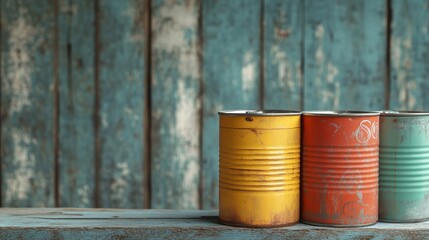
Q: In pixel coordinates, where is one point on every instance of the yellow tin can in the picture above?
(259, 168)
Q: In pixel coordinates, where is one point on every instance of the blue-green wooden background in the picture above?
(113, 103)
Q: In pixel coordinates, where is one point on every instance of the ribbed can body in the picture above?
(340, 169)
(259, 167)
(404, 168)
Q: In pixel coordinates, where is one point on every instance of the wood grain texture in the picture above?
(175, 104)
(345, 44)
(151, 224)
(409, 55)
(121, 95)
(27, 103)
(231, 70)
(283, 38)
(77, 92)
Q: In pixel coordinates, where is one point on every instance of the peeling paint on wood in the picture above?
(27, 103)
(409, 55)
(231, 33)
(76, 91)
(122, 96)
(344, 55)
(282, 54)
(175, 104)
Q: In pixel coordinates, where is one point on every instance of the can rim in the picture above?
(268, 112)
(341, 113)
(398, 113)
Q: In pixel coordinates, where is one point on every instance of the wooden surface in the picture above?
(345, 55)
(60, 223)
(76, 90)
(114, 103)
(176, 104)
(27, 103)
(283, 37)
(120, 63)
(409, 55)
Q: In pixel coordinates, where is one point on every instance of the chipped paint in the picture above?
(248, 71)
(326, 73)
(188, 154)
(173, 21)
(19, 183)
(402, 61)
(120, 182)
(284, 70)
(20, 65)
(332, 72)
(84, 194)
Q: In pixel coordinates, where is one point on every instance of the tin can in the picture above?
(339, 184)
(404, 166)
(259, 166)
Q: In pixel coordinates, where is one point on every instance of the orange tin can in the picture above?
(339, 185)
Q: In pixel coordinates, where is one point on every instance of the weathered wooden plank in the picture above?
(175, 104)
(144, 224)
(283, 37)
(121, 95)
(27, 103)
(345, 52)
(231, 61)
(409, 55)
(76, 109)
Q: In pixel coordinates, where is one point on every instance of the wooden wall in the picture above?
(110, 103)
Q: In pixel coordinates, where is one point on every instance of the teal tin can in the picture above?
(404, 166)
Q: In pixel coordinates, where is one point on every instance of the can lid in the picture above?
(340, 113)
(260, 112)
(394, 113)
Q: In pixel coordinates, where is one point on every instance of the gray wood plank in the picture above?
(175, 104)
(231, 73)
(121, 102)
(76, 109)
(283, 38)
(409, 55)
(27, 103)
(345, 53)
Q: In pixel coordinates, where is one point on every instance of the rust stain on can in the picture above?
(259, 167)
(340, 168)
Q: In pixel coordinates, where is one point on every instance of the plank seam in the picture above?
(147, 163)
(1, 110)
(97, 158)
(200, 46)
(56, 108)
(302, 52)
(387, 80)
(261, 56)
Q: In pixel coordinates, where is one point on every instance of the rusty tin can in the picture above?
(339, 184)
(404, 166)
(259, 165)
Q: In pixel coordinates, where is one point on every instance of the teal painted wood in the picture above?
(409, 55)
(122, 96)
(345, 44)
(146, 224)
(175, 104)
(27, 103)
(76, 109)
(283, 37)
(231, 70)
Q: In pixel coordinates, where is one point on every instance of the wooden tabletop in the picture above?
(68, 223)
